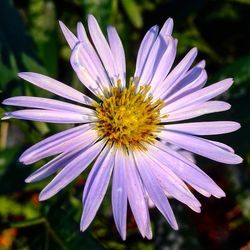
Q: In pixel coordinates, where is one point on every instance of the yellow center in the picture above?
(127, 117)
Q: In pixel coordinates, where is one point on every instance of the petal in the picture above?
(89, 68)
(51, 143)
(167, 27)
(119, 194)
(53, 116)
(58, 143)
(69, 36)
(201, 191)
(172, 184)
(54, 165)
(153, 60)
(46, 103)
(164, 65)
(223, 146)
(200, 64)
(118, 54)
(200, 96)
(180, 69)
(137, 198)
(200, 146)
(81, 33)
(192, 82)
(144, 49)
(157, 57)
(195, 111)
(102, 47)
(55, 87)
(96, 185)
(153, 189)
(204, 128)
(185, 169)
(71, 171)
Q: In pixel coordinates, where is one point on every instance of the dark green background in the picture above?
(30, 40)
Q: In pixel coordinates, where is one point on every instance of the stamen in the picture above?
(128, 117)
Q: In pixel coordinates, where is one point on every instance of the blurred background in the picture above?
(30, 40)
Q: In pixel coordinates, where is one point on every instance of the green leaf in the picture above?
(133, 12)
(67, 230)
(43, 28)
(10, 206)
(7, 72)
(32, 65)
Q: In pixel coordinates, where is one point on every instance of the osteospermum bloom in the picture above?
(128, 130)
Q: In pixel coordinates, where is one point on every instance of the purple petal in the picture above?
(201, 191)
(154, 54)
(192, 82)
(71, 171)
(204, 128)
(58, 143)
(200, 146)
(179, 71)
(200, 96)
(45, 103)
(144, 49)
(201, 64)
(96, 185)
(69, 36)
(167, 27)
(172, 184)
(89, 69)
(52, 116)
(185, 169)
(223, 146)
(119, 193)
(55, 87)
(195, 111)
(137, 198)
(153, 189)
(153, 60)
(54, 165)
(118, 54)
(102, 47)
(165, 64)
(81, 33)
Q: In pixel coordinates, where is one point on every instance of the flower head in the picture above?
(129, 129)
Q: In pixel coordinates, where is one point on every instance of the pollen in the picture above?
(128, 117)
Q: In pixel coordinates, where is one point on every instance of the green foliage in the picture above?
(134, 12)
(12, 207)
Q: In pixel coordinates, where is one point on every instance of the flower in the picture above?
(128, 130)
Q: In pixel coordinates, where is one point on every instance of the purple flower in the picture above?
(129, 130)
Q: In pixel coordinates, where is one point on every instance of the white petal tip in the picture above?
(5, 117)
(44, 196)
(149, 237)
(196, 209)
(175, 227)
(23, 159)
(219, 194)
(237, 160)
(170, 20)
(91, 17)
(83, 227)
(5, 102)
(123, 237)
(24, 75)
(28, 180)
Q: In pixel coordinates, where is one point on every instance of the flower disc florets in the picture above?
(129, 116)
